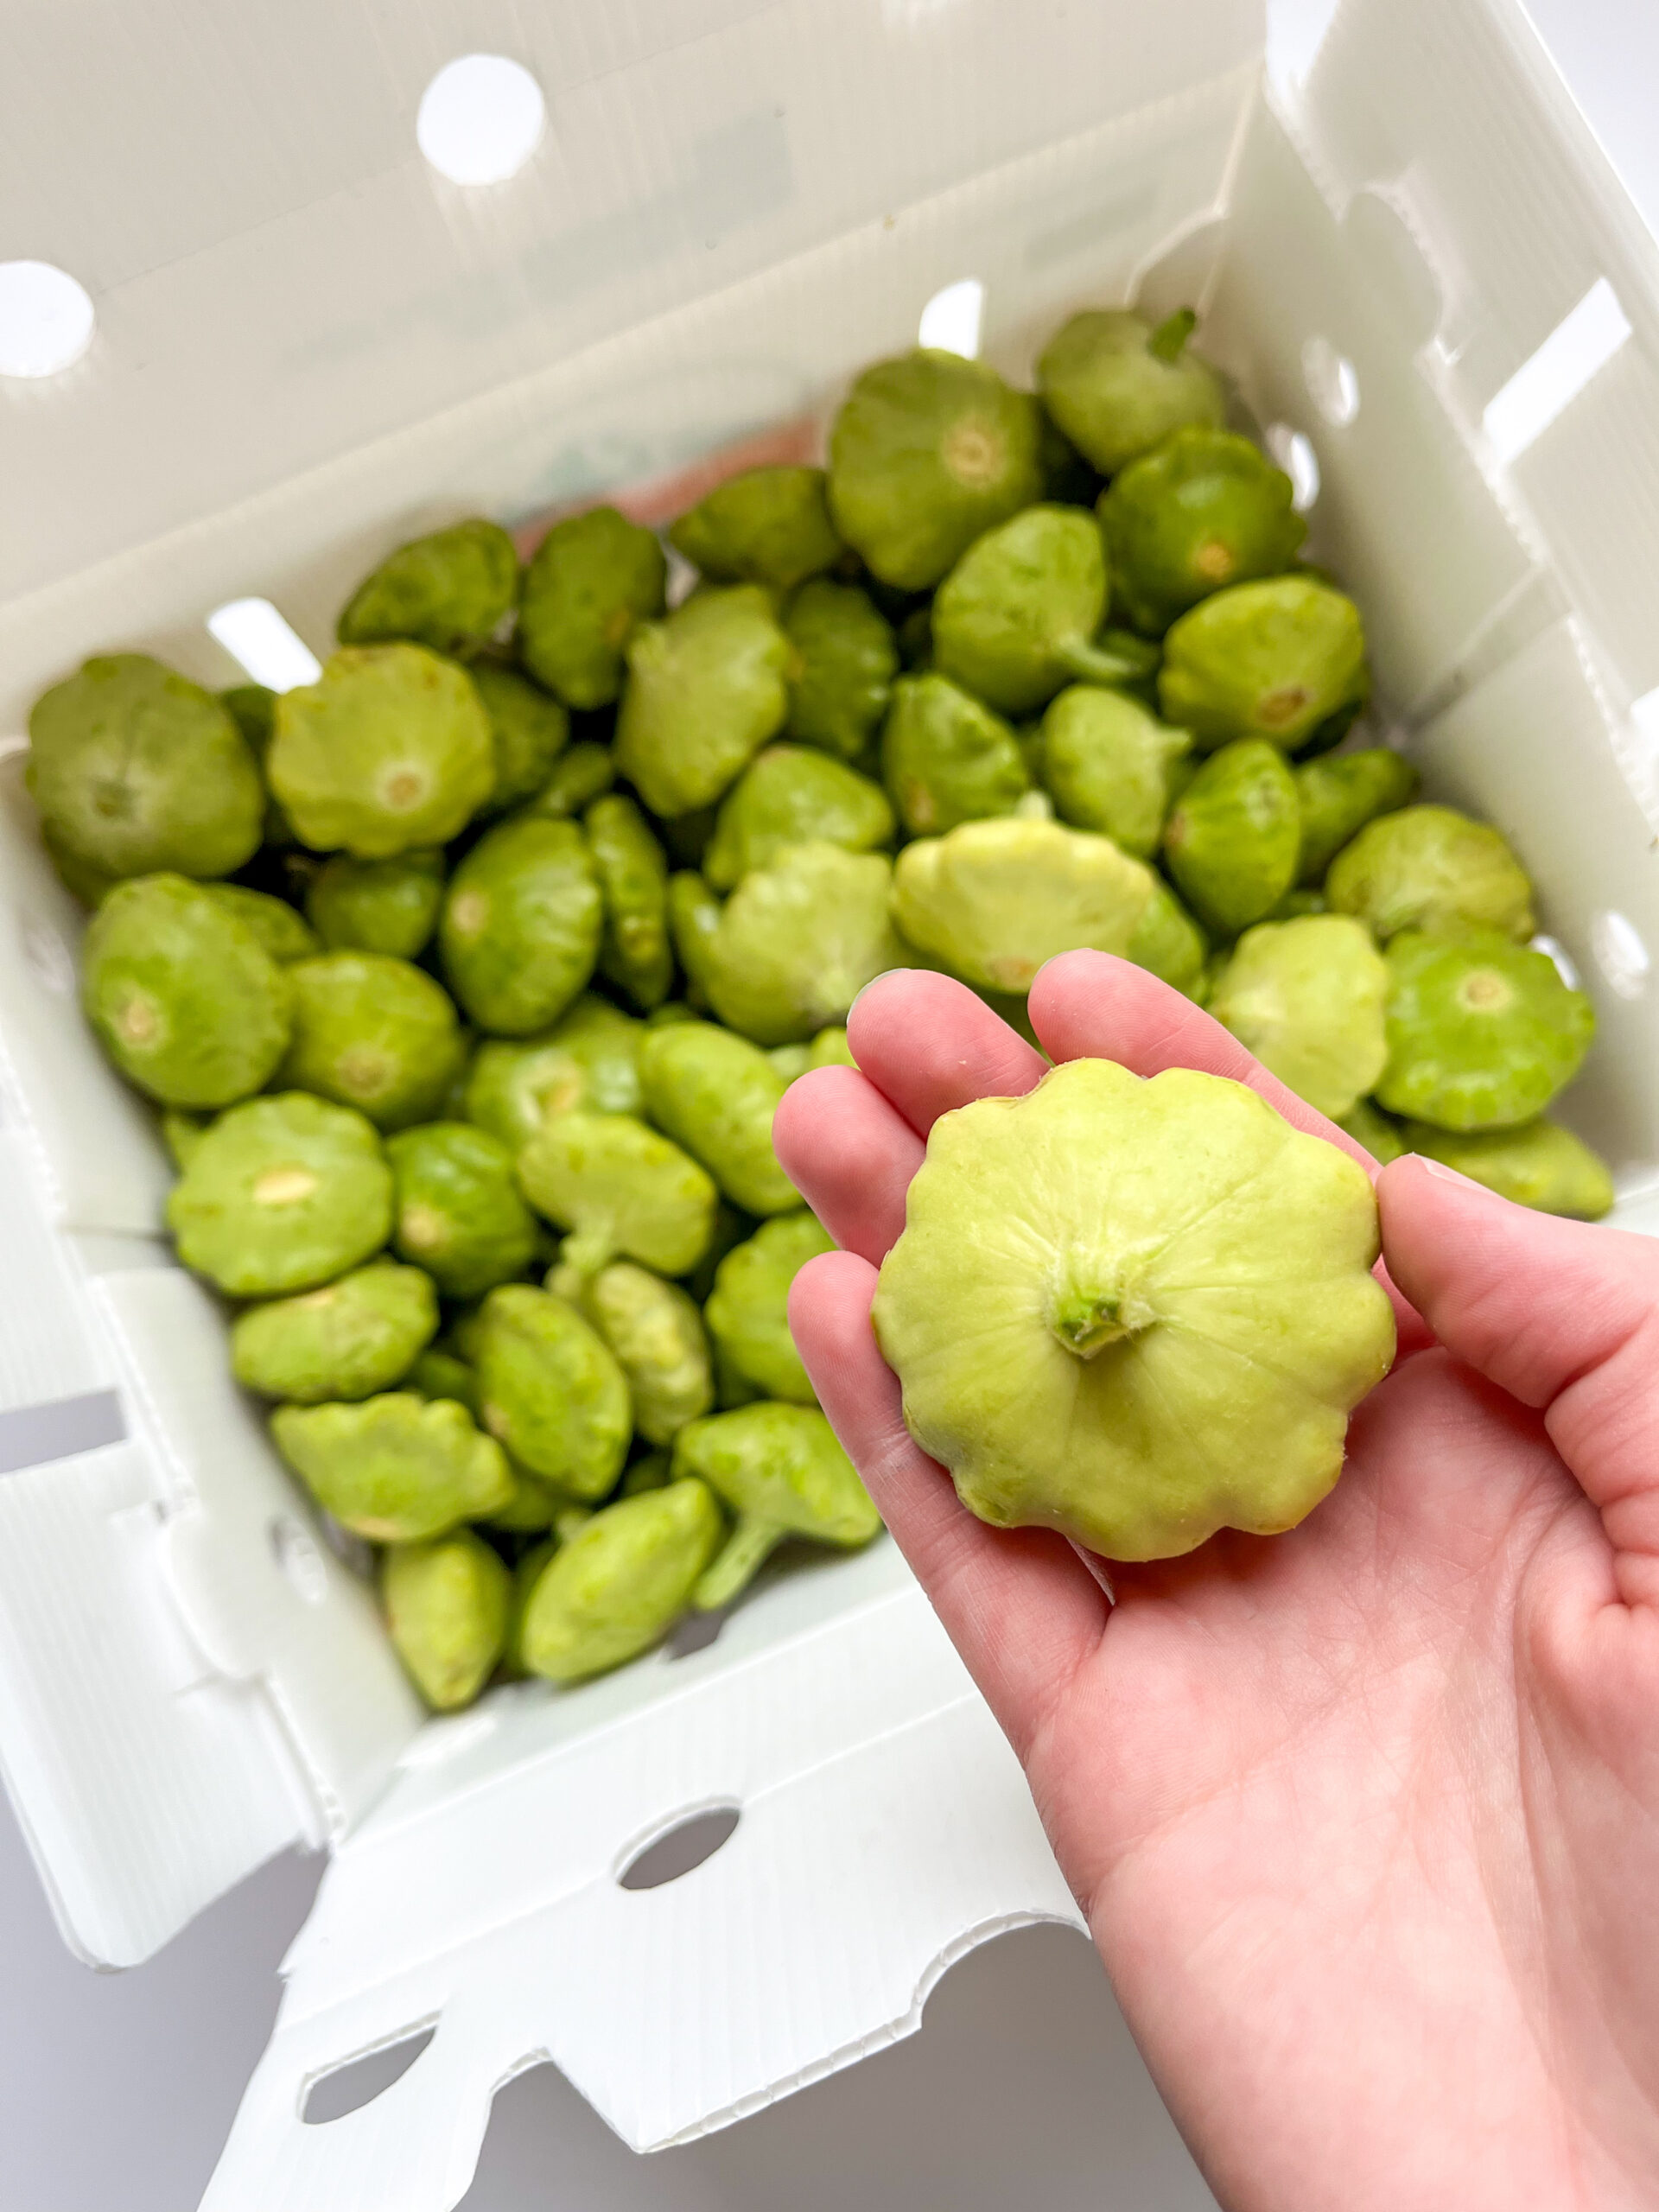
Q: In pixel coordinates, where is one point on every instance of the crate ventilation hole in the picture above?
(680, 1848)
(674, 1852)
(261, 642)
(1547, 382)
(952, 319)
(481, 119)
(46, 319)
(347, 2088)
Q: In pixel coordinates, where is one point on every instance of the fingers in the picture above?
(849, 1154)
(1085, 1004)
(930, 1044)
(1563, 1317)
(850, 1140)
(1019, 1605)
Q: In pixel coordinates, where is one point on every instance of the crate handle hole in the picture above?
(346, 2088)
(46, 318)
(681, 1848)
(481, 119)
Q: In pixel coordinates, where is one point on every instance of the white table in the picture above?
(1022, 2089)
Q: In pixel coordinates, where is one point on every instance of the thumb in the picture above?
(1563, 1316)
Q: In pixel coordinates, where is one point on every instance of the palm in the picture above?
(1263, 1783)
(1365, 1818)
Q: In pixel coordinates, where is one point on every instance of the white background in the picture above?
(1023, 2090)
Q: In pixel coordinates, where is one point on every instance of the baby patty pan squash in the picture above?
(1133, 1310)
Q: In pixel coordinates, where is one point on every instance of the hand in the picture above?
(1364, 1818)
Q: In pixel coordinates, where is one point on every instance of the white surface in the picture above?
(66, 2146)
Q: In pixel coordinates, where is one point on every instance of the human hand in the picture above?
(1364, 1818)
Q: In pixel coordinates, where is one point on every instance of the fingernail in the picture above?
(871, 985)
(1442, 1173)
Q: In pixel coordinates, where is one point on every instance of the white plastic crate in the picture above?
(309, 345)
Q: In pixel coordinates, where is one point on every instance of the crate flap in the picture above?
(884, 1828)
(247, 1562)
(146, 1784)
(182, 1694)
